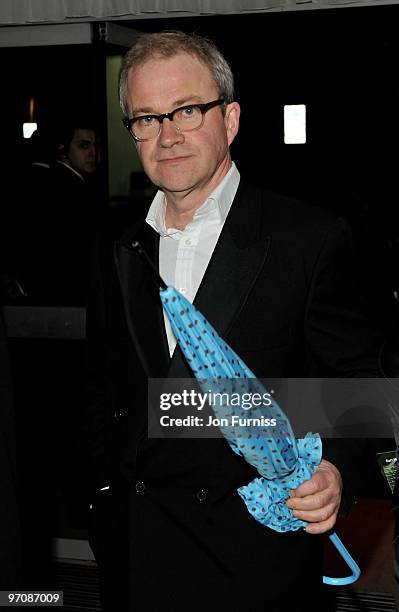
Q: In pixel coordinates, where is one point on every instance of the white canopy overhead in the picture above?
(18, 12)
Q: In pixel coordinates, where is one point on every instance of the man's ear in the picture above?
(232, 120)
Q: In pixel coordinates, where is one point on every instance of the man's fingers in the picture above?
(320, 480)
(325, 477)
(311, 502)
(323, 527)
(317, 516)
(316, 501)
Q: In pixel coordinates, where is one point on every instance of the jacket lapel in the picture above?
(239, 256)
(141, 299)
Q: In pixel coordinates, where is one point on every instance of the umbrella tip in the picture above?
(136, 246)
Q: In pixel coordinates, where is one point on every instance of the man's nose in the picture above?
(169, 135)
(93, 151)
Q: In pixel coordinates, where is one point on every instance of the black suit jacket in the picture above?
(280, 289)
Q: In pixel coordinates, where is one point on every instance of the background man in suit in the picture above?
(76, 207)
(168, 529)
(61, 205)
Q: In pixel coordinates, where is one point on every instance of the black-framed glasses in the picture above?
(185, 119)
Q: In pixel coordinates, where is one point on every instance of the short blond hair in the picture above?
(170, 43)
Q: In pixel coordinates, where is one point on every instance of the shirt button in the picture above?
(201, 495)
(140, 487)
(188, 242)
(119, 414)
(182, 290)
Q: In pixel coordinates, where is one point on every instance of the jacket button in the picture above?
(119, 414)
(140, 487)
(201, 495)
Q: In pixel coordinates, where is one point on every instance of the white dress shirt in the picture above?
(184, 255)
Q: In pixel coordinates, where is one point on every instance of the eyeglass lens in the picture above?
(184, 119)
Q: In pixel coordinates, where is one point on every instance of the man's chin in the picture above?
(177, 184)
(90, 169)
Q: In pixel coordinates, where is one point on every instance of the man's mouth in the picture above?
(173, 160)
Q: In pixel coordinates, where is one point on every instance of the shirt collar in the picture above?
(220, 200)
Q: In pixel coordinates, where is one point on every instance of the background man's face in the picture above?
(180, 161)
(82, 152)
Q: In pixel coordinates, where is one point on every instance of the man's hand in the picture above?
(317, 500)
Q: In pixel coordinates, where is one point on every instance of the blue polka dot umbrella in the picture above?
(265, 439)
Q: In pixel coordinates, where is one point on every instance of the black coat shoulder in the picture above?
(281, 212)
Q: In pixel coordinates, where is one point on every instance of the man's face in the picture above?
(82, 152)
(182, 162)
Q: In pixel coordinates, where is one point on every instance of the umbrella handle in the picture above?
(349, 561)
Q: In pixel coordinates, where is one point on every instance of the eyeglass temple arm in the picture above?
(136, 246)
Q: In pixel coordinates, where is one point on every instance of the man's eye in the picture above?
(146, 120)
(189, 111)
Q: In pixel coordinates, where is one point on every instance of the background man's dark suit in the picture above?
(60, 214)
(280, 290)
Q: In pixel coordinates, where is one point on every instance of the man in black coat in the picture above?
(273, 277)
